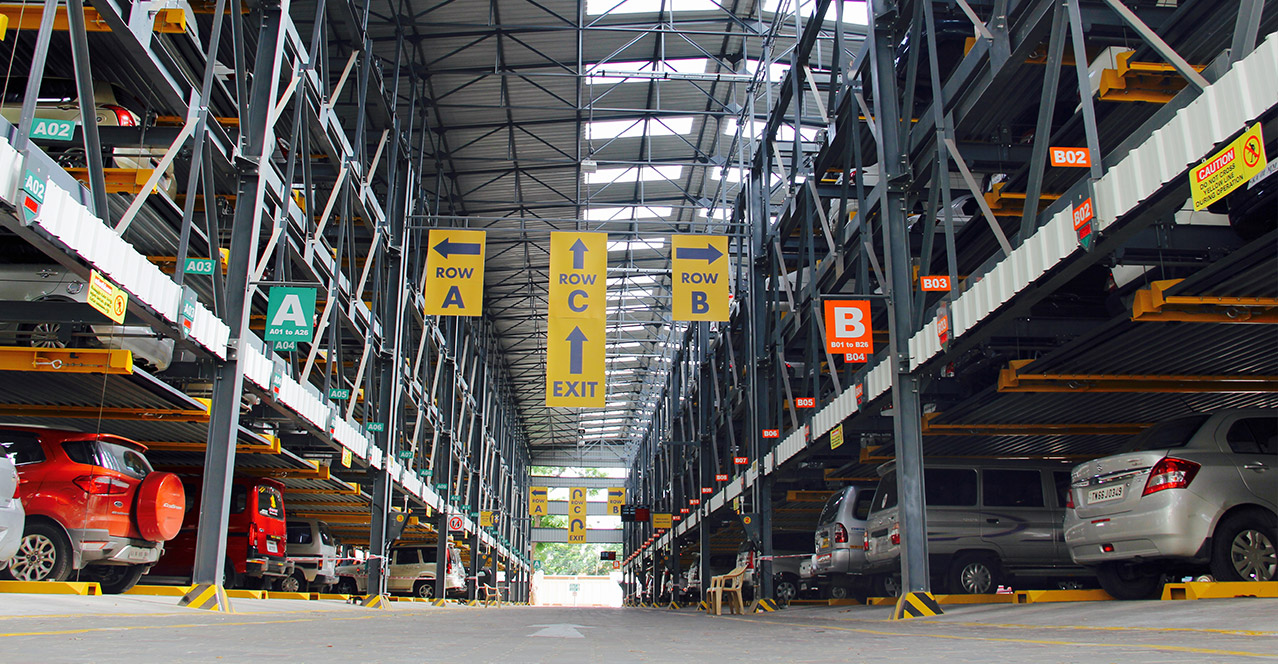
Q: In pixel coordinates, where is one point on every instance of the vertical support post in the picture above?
(905, 397)
(88, 108)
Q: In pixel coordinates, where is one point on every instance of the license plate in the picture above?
(272, 547)
(138, 554)
(1105, 493)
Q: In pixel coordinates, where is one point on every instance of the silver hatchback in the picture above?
(1189, 494)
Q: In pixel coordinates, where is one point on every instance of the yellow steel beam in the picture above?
(178, 121)
(318, 472)
(1155, 82)
(931, 428)
(118, 180)
(870, 454)
(1012, 203)
(84, 412)
(352, 489)
(1010, 379)
(1154, 305)
(830, 476)
(66, 360)
(27, 15)
(272, 446)
(807, 496)
(308, 504)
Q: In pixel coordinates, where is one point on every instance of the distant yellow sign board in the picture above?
(836, 436)
(106, 298)
(577, 515)
(576, 321)
(537, 497)
(455, 272)
(661, 521)
(616, 498)
(699, 270)
(1228, 169)
(485, 519)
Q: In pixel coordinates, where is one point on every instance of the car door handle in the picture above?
(991, 521)
(1256, 465)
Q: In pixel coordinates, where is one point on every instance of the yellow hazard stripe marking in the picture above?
(1045, 642)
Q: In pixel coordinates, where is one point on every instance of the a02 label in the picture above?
(34, 186)
(52, 130)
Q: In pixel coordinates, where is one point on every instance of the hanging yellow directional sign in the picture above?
(577, 515)
(455, 272)
(699, 270)
(537, 501)
(616, 498)
(485, 519)
(661, 521)
(575, 326)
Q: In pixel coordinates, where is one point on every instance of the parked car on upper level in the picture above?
(312, 550)
(1191, 494)
(839, 560)
(93, 503)
(12, 516)
(987, 520)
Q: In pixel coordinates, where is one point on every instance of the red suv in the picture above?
(93, 504)
(256, 535)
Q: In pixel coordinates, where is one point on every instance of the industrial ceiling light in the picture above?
(589, 165)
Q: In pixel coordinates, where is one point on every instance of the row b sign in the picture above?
(848, 329)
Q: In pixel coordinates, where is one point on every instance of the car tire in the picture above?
(293, 583)
(1123, 581)
(43, 555)
(786, 588)
(886, 585)
(838, 592)
(1245, 548)
(347, 586)
(114, 579)
(974, 574)
(424, 589)
(230, 578)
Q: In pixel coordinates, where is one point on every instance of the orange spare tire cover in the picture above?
(161, 507)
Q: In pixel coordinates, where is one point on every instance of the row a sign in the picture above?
(455, 272)
(290, 314)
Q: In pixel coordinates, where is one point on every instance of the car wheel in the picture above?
(838, 592)
(114, 579)
(43, 555)
(1243, 548)
(786, 589)
(1130, 581)
(230, 579)
(424, 589)
(887, 585)
(347, 586)
(294, 583)
(974, 574)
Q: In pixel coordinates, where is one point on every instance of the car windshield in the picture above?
(831, 509)
(112, 456)
(861, 510)
(885, 496)
(1166, 435)
(269, 502)
(299, 533)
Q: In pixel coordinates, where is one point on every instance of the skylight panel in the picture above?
(653, 243)
(634, 174)
(784, 132)
(637, 71)
(628, 212)
(854, 11)
(632, 128)
(597, 7)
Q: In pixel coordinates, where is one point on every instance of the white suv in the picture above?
(412, 570)
(1190, 493)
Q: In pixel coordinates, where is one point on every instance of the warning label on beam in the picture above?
(1228, 169)
(455, 272)
(575, 327)
(106, 298)
(699, 270)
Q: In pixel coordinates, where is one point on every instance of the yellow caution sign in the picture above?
(1226, 170)
(577, 315)
(577, 515)
(455, 273)
(106, 298)
(616, 498)
(836, 436)
(661, 521)
(537, 501)
(485, 519)
(700, 274)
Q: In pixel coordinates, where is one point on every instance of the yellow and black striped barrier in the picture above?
(207, 596)
(704, 606)
(674, 606)
(374, 601)
(916, 605)
(763, 605)
(439, 602)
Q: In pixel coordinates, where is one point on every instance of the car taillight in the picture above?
(122, 115)
(1069, 499)
(840, 534)
(448, 569)
(101, 485)
(1170, 473)
(865, 541)
(896, 534)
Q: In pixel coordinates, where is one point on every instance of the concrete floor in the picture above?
(50, 628)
